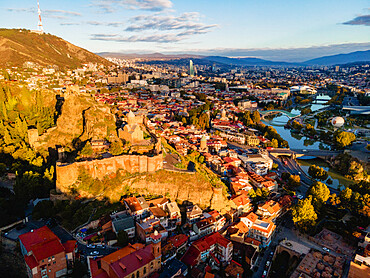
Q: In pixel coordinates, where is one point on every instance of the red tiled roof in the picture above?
(178, 240)
(69, 246)
(132, 262)
(31, 261)
(42, 242)
(95, 271)
(191, 256)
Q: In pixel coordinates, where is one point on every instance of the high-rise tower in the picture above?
(191, 68)
(40, 28)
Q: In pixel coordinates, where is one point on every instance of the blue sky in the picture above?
(290, 30)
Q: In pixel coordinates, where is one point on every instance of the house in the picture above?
(147, 227)
(137, 207)
(220, 219)
(131, 261)
(45, 255)
(176, 244)
(122, 221)
(212, 245)
(173, 214)
(234, 270)
(193, 213)
(160, 214)
(204, 226)
(270, 209)
(241, 203)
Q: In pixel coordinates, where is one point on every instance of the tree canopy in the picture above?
(304, 215)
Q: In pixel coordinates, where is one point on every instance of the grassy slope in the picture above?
(19, 46)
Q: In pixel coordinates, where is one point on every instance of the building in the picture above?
(193, 213)
(133, 261)
(241, 203)
(149, 226)
(122, 221)
(191, 68)
(174, 214)
(45, 255)
(137, 207)
(132, 131)
(213, 245)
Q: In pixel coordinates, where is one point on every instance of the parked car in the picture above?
(264, 274)
(94, 253)
(268, 263)
(326, 249)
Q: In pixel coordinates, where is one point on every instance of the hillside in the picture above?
(19, 45)
(353, 57)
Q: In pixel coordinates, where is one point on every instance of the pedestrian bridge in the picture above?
(275, 111)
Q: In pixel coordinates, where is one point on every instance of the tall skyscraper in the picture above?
(191, 68)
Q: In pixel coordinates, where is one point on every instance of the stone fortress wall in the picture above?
(67, 174)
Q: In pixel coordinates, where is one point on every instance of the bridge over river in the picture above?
(294, 153)
(275, 111)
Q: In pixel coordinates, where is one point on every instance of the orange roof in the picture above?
(241, 200)
(252, 217)
(242, 227)
(122, 252)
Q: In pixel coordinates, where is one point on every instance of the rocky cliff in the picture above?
(81, 117)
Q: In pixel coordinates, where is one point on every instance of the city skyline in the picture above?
(273, 30)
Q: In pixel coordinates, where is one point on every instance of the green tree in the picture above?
(87, 149)
(294, 181)
(116, 147)
(122, 238)
(256, 117)
(252, 193)
(334, 199)
(274, 143)
(343, 139)
(317, 172)
(304, 215)
(320, 194)
(345, 195)
(43, 209)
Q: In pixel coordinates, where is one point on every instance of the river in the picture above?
(297, 141)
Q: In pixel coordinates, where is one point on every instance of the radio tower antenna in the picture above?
(39, 25)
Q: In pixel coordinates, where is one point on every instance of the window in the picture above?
(133, 276)
(151, 265)
(144, 270)
(138, 274)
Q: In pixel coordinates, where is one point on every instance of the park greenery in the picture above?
(316, 172)
(343, 139)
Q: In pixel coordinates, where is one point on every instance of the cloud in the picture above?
(158, 38)
(112, 24)
(186, 21)
(359, 20)
(59, 14)
(70, 23)
(109, 6)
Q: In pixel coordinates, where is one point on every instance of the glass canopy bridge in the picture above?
(275, 111)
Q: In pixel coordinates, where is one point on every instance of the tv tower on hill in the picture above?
(40, 28)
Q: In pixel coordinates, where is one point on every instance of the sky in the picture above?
(278, 30)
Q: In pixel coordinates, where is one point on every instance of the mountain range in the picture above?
(353, 57)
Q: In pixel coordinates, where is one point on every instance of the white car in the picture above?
(300, 197)
(268, 263)
(326, 249)
(94, 253)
